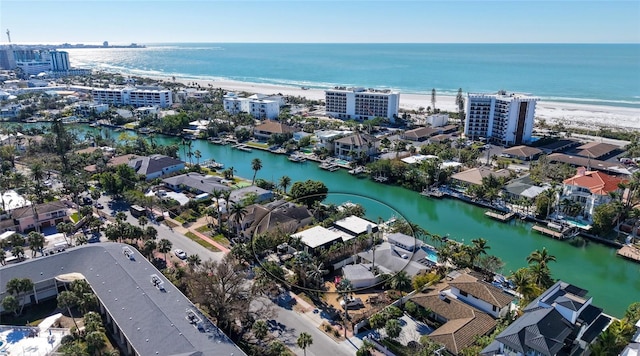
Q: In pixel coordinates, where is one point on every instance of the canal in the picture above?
(613, 282)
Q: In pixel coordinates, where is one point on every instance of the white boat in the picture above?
(242, 147)
(331, 167)
(358, 170)
(296, 157)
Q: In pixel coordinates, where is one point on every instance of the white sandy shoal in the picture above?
(569, 114)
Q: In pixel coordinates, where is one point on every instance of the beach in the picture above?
(569, 114)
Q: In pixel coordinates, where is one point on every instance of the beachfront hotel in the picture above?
(133, 96)
(502, 118)
(361, 104)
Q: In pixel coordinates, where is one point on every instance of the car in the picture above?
(98, 205)
(352, 303)
(180, 254)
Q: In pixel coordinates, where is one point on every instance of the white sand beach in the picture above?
(569, 114)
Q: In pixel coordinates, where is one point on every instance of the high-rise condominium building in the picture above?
(501, 118)
(133, 96)
(59, 61)
(361, 103)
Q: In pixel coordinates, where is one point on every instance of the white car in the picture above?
(180, 254)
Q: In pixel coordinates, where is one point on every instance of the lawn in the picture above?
(203, 229)
(75, 217)
(257, 144)
(201, 242)
(32, 314)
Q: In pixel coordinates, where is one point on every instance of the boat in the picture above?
(218, 141)
(146, 130)
(329, 166)
(298, 158)
(215, 165)
(358, 170)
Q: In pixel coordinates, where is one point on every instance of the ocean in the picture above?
(599, 74)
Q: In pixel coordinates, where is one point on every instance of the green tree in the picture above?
(193, 261)
(632, 314)
(11, 304)
(92, 322)
(256, 165)
(309, 192)
(541, 257)
(21, 287)
(260, 329)
(433, 99)
(401, 281)
(344, 290)
(148, 248)
(304, 340)
(377, 321)
(96, 341)
(393, 328)
(36, 242)
(164, 246)
(285, 181)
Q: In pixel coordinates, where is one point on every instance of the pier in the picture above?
(433, 193)
(629, 252)
(564, 233)
(501, 217)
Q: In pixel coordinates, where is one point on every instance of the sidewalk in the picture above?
(179, 228)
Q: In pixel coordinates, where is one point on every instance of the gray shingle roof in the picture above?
(153, 321)
(197, 181)
(152, 164)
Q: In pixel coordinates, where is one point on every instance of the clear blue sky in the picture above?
(117, 21)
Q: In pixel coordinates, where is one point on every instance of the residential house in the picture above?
(195, 182)
(355, 226)
(522, 188)
(356, 144)
(437, 120)
(318, 237)
(155, 166)
(561, 321)
(359, 275)
(268, 128)
(615, 168)
(112, 162)
(597, 150)
(287, 218)
(391, 258)
(403, 241)
(474, 176)
(326, 138)
(420, 134)
(590, 189)
(524, 153)
(482, 295)
(40, 216)
(440, 138)
(461, 323)
(260, 194)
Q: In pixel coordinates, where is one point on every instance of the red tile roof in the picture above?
(597, 182)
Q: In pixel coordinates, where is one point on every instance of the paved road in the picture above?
(164, 232)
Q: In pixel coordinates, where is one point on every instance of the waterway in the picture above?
(613, 282)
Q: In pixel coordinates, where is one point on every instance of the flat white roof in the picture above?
(417, 158)
(6, 235)
(355, 224)
(316, 236)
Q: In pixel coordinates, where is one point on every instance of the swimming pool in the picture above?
(432, 255)
(341, 162)
(577, 224)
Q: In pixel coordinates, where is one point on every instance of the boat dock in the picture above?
(629, 252)
(357, 170)
(433, 193)
(501, 217)
(331, 167)
(242, 147)
(561, 233)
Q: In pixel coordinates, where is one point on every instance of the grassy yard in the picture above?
(257, 144)
(75, 217)
(201, 242)
(32, 315)
(204, 229)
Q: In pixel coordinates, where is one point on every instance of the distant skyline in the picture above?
(305, 21)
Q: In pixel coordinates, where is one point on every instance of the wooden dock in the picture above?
(433, 193)
(501, 217)
(545, 231)
(630, 252)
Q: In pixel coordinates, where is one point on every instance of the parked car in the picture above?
(98, 205)
(352, 303)
(180, 254)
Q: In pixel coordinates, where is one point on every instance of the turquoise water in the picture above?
(607, 74)
(431, 254)
(613, 282)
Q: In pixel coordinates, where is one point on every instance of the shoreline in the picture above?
(589, 116)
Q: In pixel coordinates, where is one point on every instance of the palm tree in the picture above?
(393, 328)
(198, 155)
(285, 181)
(316, 272)
(3, 256)
(400, 281)
(67, 300)
(541, 257)
(20, 287)
(217, 194)
(304, 340)
(525, 286)
(479, 247)
(95, 341)
(237, 212)
(142, 220)
(164, 246)
(194, 261)
(36, 242)
(256, 165)
(344, 290)
(260, 329)
(37, 172)
(149, 247)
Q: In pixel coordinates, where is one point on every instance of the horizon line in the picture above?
(57, 43)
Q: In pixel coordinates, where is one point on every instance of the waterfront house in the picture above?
(522, 188)
(260, 194)
(615, 168)
(39, 216)
(590, 189)
(524, 153)
(317, 237)
(326, 138)
(112, 162)
(195, 182)
(474, 291)
(391, 259)
(474, 176)
(403, 241)
(155, 166)
(460, 323)
(359, 275)
(268, 128)
(355, 226)
(287, 218)
(561, 321)
(145, 313)
(356, 144)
